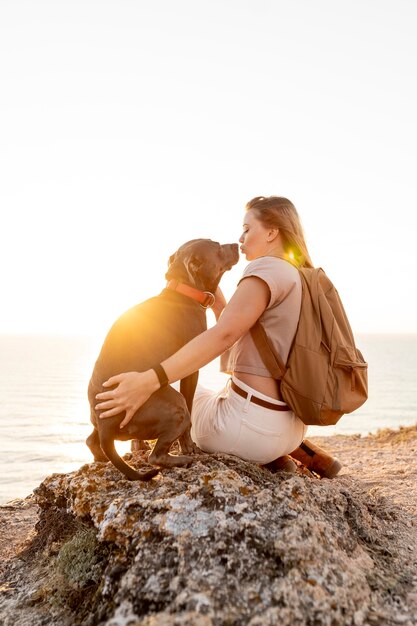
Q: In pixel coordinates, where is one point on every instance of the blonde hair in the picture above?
(277, 212)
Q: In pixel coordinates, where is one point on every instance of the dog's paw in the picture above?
(191, 448)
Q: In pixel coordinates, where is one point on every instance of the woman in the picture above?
(248, 417)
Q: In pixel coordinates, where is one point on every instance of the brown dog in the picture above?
(148, 334)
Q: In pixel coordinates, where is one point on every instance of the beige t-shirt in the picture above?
(279, 319)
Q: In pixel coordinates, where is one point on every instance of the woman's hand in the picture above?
(133, 389)
(219, 303)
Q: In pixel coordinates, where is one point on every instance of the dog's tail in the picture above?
(109, 449)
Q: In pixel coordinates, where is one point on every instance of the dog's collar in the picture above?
(205, 298)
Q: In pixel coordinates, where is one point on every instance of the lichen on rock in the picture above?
(78, 559)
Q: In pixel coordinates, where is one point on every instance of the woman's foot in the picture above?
(317, 460)
(282, 464)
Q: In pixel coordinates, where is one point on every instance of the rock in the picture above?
(222, 542)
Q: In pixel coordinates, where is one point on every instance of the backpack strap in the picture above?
(272, 362)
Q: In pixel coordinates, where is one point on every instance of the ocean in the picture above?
(44, 412)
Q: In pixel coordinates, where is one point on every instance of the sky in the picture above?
(129, 127)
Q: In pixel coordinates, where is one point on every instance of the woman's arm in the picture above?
(134, 388)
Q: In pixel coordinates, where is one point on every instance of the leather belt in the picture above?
(259, 401)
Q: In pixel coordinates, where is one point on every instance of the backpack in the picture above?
(325, 375)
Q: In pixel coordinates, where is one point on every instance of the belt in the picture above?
(259, 401)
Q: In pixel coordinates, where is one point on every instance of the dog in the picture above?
(146, 335)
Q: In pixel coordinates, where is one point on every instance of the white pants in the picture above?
(225, 422)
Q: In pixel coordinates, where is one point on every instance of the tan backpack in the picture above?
(325, 375)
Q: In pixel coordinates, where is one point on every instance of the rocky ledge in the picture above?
(223, 542)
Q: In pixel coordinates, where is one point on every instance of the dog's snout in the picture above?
(230, 253)
(230, 247)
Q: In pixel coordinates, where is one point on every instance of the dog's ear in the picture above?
(183, 266)
(193, 265)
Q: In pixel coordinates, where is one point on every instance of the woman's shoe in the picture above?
(317, 460)
(282, 464)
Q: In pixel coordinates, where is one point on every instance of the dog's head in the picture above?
(201, 263)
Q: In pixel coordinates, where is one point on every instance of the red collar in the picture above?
(205, 298)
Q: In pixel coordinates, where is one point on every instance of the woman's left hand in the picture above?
(133, 389)
(219, 303)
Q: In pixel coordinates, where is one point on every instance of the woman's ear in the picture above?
(272, 234)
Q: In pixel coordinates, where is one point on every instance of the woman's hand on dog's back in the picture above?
(132, 391)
